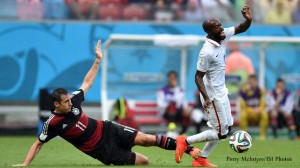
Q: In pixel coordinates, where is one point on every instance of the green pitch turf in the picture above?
(58, 153)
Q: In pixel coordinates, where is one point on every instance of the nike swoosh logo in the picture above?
(64, 126)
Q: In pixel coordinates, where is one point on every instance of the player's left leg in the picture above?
(274, 122)
(291, 125)
(223, 115)
(163, 142)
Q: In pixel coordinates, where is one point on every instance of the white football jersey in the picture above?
(212, 60)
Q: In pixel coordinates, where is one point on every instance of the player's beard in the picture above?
(222, 36)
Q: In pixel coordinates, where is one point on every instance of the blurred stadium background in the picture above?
(49, 43)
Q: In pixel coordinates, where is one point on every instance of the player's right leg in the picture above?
(291, 124)
(163, 142)
(218, 120)
(263, 124)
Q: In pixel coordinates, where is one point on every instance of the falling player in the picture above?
(106, 141)
(210, 80)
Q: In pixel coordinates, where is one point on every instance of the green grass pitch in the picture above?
(59, 153)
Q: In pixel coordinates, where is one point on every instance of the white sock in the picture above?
(209, 147)
(204, 136)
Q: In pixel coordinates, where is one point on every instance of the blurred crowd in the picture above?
(264, 11)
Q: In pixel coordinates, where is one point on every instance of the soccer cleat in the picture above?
(194, 153)
(202, 162)
(181, 147)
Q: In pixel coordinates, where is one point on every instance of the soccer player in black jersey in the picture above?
(106, 141)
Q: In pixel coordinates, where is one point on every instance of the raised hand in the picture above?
(98, 50)
(246, 12)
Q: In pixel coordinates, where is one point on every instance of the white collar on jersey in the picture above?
(213, 42)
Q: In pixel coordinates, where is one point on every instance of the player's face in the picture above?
(217, 30)
(252, 82)
(172, 80)
(280, 87)
(65, 105)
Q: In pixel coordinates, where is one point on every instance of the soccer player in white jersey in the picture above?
(210, 80)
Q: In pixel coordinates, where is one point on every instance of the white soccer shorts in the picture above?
(219, 115)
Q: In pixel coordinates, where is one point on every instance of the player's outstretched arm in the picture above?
(91, 75)
(33, 151)
(200, 85)
(246, 12)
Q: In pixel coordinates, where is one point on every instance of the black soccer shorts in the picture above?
(115, 146)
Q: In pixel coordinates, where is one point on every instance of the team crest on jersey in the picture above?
(75, 111)
(201, 60)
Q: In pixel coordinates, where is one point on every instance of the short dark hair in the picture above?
(280, 80)
(172, 72)
(252, 76)
(56, 94)
(205, 26)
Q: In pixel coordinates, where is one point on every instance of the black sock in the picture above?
(188, 150)
(274, 130)
(165, 142)
(168, 143)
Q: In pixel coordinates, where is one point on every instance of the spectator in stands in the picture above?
(83, 9)
(279, 14)
(290, 4)
(110, 10)
(296, 13)
(194, 11)
(252, 103)
(55, 9)
(172, 103)
(30, 9)
(221, 9)
(238, 65)
(135, 11)
(236, 60)
(280, 104)
(162, 11)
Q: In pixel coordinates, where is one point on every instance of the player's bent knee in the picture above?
(141, 159)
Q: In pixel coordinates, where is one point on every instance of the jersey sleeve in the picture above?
(78, 96)
(229, 32)
(48, 132)
(204, 61)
